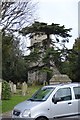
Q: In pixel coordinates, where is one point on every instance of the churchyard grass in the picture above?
(8, 105)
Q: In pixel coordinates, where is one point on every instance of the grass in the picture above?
(8, 105)
(0, 107)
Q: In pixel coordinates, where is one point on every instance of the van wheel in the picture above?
(41, 118)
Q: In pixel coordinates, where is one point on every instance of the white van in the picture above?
(51, 102)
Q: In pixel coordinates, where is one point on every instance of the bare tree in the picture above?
(15, 15)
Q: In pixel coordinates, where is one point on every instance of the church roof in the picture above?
(60, 78)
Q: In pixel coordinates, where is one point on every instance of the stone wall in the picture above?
(36, 76)
(38, 38)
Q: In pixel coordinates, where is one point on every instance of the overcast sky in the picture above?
(64, 12)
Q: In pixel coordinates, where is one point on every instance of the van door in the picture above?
(77, 100)
(62, 105)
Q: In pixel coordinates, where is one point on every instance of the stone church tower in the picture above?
(35, 75)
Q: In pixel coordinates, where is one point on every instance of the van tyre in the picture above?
(41, 118)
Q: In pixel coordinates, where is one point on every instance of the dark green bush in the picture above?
(6, 91)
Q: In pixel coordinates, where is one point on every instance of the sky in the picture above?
(63, 12)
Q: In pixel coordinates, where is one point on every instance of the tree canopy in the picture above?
(55, 29)
(14, 16)
(75, 61)
(47, 53)
(71, 66)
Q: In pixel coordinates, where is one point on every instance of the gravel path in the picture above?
(6, 115)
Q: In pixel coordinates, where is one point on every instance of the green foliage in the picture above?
(13, 63)
(55, 29)
(76, 66)
(76, 45)
(71, 66)
(6, 91)
(48, 53)
(74, 61)
(46, 69)
(34, 56)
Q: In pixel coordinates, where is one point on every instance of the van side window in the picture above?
(77, 92)
(64, 94)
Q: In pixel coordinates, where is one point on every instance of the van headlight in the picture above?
(26, 113)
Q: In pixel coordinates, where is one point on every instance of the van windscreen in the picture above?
(42, 94)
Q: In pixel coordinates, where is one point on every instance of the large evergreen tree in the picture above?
(52, 53)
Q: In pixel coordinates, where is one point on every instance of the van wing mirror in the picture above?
(55, 100)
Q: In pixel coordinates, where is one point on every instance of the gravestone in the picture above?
(18, 84)
(14, 88)
(24, 88)
(11, 85)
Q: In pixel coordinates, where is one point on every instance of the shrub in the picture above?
(6, 91)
